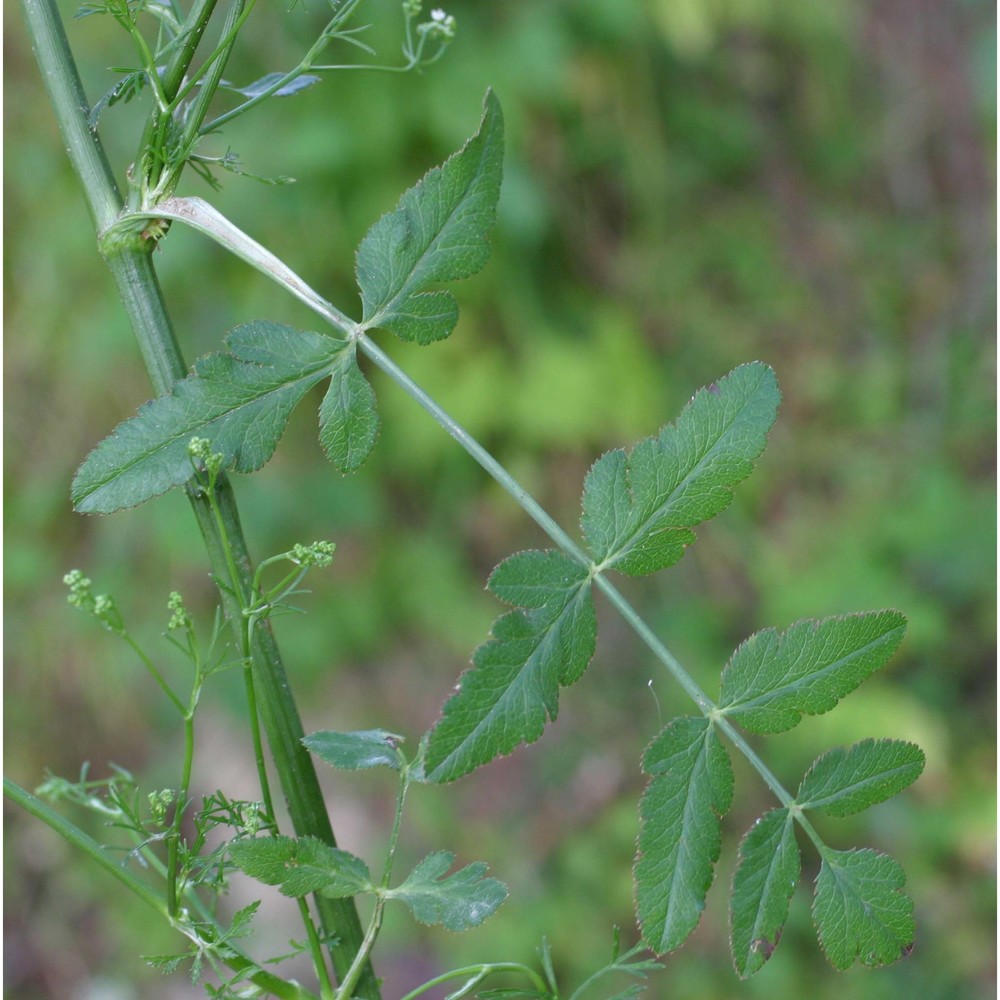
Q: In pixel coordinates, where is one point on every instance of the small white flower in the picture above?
(438, 15)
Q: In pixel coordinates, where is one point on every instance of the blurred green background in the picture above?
(690, 184)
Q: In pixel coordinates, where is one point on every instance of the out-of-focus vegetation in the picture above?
(689, 185)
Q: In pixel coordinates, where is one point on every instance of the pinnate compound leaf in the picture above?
(768, 872)
(438, 232)
(850, 779)
(460, 901)
(774, 678)
(859, 909)
(680, 839)
(513, 685)
(357, 751)
(299, 867)
(348, 418)
(639, 508)
(240, 402)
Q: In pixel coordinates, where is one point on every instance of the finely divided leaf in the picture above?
(767, 875)
(639, 508)
(849, 779)
(680, 839)
(239, 401)
(129, 86)
(258, 87)
(357, 751)
(438, 232)
(348, 419)
(460, 901)
(775, 677)
(859, 910)
(166, 963)
(514, 682)
(301, 866)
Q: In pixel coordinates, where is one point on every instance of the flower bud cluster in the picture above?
(200, 450)
(318, 554)
(160, 802)
(101, 606)
(179, 617)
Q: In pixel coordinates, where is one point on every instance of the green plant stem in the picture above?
(70, 832)
(316, 950)
(236, 16)
(244, 598)
(192, 31)
(221, 50)
(375, 925)
(397, 819)
(476, 974)
(149, 64)
(62, 82)
(618, 965)
(182, 796)
(156, 125)
(203, 217)
(182, 793)
(523, 498)
(353, 974)
(129, 261)
(303, 67)
(154, 673)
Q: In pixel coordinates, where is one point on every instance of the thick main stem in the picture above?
(131, 266)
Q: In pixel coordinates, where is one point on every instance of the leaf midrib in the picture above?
(766, 697)
(315, 374)
(771, 879)
(699, 770)
(543, 636)
(388, 306)
(858, 786)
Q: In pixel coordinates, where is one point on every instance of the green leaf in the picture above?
(242, 921)
(680, 838)
(239, 401)
(460, 901)
(348, 419)
(299, 867)
(438, 232)
(774, 678)
(357, 751)
(258, 87)
(513, 686)
(166, 963)
(859, 910)
(130, 85)
(849, 779)
(639, 508)
(768, 872)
